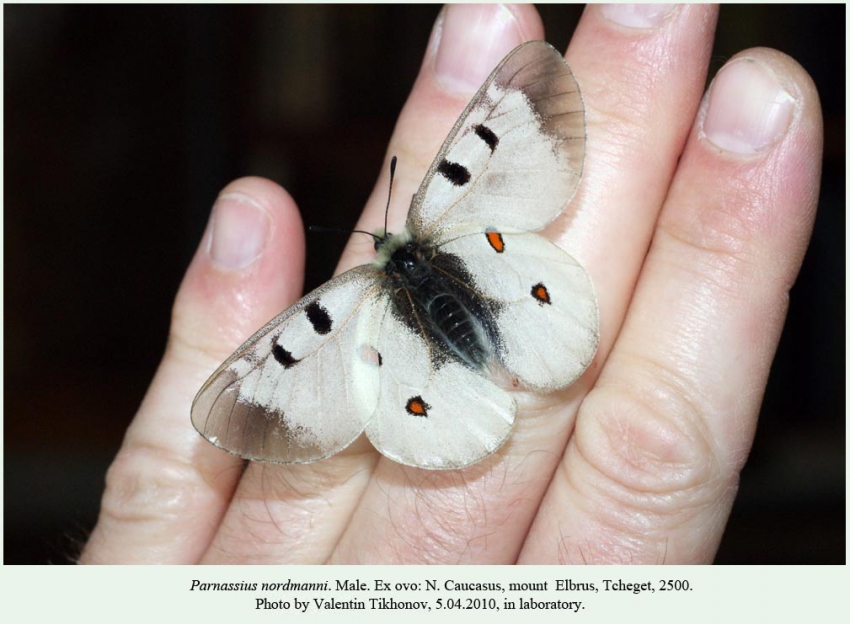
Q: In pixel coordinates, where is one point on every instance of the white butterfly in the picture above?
(421, 347)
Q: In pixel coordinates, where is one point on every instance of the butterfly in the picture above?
(423, 347)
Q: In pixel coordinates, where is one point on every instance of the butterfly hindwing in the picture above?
(544, 304)
(434, 412)
(273, 400)
(514, 157)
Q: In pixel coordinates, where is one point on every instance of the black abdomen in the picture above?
(459, 329)
(434, 293)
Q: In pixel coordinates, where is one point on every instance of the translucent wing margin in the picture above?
(515, 156)
(302, 387)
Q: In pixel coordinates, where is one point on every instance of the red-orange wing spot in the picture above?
(541, 293)
(496, 241)
(416, 406)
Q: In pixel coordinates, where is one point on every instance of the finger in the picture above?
(652, 470)
(168, 488)
(642, 72)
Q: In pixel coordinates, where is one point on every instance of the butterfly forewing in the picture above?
(267, 401)
(515, 156)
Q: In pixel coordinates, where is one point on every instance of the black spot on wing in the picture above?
(488, 136)
(319, 318)
(283, 357)
(453, 172)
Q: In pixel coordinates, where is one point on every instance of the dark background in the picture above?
(122, 124)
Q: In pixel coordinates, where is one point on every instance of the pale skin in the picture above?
(692, 259)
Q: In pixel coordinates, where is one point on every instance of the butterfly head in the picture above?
(387, 243)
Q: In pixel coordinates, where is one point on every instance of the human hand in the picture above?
(691, 258)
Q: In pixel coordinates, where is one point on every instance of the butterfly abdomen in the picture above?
(430, 295)
(459, 329)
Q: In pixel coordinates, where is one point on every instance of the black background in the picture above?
(122, 124)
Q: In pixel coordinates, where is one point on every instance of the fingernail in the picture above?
(637, 15)
(747, 108)
(473, 41)
(240, 228)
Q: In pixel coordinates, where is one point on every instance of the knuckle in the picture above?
(649, 460)
(146, 484)
(718, 232)
(195, 339)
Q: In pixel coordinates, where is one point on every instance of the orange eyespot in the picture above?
(541, 293)
(496, 241)
(417, 407)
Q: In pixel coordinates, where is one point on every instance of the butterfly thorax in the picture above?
(431, 292)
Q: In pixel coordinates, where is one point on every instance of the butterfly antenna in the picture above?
(390, 192)
(379, 240)
(322, 228)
